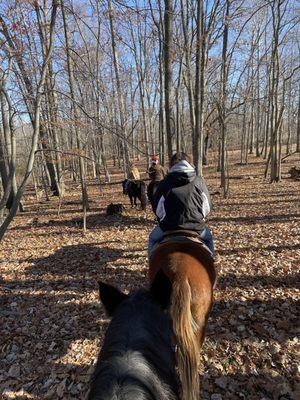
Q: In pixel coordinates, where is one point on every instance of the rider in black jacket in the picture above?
(181, 201)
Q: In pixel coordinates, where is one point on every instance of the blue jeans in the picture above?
(207, 238)
(157, 234)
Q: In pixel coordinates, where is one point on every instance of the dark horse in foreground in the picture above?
(189, 267)
(137, 359)
(135, 189)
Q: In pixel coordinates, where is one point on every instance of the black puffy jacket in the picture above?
(182, 200)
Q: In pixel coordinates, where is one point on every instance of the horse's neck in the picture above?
(149, 340)
(129, 376)
(139, 341)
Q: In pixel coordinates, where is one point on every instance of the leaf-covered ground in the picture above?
(52, 325)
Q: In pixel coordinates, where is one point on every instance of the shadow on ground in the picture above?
(94, 221)
(262, 219)
(257, 281)
(55, 307)
(255, 385)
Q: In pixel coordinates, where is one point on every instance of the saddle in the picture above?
(183, 235)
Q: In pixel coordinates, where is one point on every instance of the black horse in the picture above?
(135, 189)
(137, 360)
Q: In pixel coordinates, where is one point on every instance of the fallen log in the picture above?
(288, 155)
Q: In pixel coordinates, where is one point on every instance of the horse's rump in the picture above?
(185, 262)
(201, 258)
(191, 300)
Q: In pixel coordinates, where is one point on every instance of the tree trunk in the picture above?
(244, 135)
(188, 71)
(162, 136)
(82, 170)
(57, 186)
(298, 125)
(258, 108)
(276, 113)
(168, 63)
(222, 107)
(119, 92)
(8, 144)
(199, 88)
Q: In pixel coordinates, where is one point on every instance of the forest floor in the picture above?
(52, 324)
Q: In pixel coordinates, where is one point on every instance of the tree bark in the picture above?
(298, 125)
(222, 107)
(82, 169)
(168, 64)
(188, 69)
(199, 88)
(276, 110)
(121, 104)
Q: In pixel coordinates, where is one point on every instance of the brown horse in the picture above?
(190, 269)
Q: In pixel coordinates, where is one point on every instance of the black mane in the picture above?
(137, 361)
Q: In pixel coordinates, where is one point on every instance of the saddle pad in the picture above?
(182, 239)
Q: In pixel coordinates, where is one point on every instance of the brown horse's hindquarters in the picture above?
(190, 304)
(181, 264)
(178, 258)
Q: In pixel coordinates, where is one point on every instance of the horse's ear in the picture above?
(161, 289)
(110, 297)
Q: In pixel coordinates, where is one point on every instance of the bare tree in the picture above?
(14, 46)
(36, 119)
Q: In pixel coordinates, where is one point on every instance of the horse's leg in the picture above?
(131, 201)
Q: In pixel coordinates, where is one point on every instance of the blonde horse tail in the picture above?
(188, 342)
